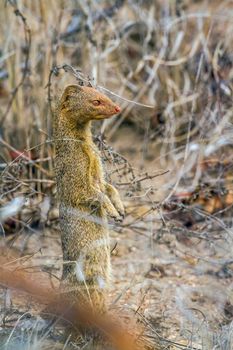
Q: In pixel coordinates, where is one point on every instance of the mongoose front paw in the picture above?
(120, 209)
(113, 213)
(115, 199)
(119, 218)
(103, 201)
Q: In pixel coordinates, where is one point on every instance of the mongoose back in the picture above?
(86, 199)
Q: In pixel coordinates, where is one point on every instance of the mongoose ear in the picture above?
(70, 92)
(72, 89)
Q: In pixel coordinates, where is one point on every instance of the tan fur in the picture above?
(86, 199)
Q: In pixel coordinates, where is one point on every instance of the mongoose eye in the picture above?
(96, 102)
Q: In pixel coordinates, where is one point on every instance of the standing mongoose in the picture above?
(86, 199)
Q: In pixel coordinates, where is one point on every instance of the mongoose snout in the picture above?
(117, 109)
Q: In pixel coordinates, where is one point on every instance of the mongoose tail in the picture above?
(86, 199)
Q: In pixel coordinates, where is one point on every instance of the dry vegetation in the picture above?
(169, 65)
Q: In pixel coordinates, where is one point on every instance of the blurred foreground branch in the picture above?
(62, 308)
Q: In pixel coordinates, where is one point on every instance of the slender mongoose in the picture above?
(86, 199)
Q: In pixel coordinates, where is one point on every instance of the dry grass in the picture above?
(169, 65)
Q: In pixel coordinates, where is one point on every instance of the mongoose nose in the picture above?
(117, 109)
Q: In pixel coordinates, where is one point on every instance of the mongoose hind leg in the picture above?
(86, 268)
(114, 197)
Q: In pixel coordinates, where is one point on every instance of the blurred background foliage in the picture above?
(169, 65)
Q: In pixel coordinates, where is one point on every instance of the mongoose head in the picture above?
(84, 103)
